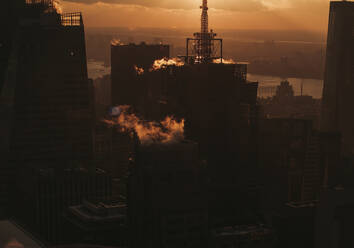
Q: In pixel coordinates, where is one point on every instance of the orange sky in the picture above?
(228, 14)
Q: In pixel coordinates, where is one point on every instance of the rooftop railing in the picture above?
(71, 19)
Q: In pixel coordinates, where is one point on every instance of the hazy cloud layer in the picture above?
(230, 14)
(235, 5)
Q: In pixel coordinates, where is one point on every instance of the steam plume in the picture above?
(116, 42)
(162, 63)
(167, 131)
(57, 6)
(139, 71)
(224, 61)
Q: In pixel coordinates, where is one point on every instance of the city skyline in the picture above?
(187, 139)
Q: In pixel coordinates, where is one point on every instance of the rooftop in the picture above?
(99, 212)
(118, 43)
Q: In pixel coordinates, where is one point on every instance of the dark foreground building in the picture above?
(297, 161)
(46, 106)
(52, 121)
(97, 223)
(220, 110)
(339, 79)
(167, 201)
(47, 193)
(9, 15)
(334, 218)
(125, 61)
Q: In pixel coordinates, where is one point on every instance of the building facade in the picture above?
(125, 59)
(167, 201)
(339, 78)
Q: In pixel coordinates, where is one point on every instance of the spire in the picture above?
(204, 19)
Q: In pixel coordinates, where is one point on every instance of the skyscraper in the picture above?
(339, 78)
(45, 94)
(52, 100)
(9, 14)
(167, 197)
(124, 60)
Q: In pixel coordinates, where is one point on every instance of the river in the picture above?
(267, 85)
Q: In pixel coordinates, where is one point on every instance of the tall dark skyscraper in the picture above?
(339, 78)
(45, 94)
(9, 15)
(52, 106)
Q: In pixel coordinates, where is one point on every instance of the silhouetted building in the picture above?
(102, 89)
(102, 143)
(221, 114)
(47, 193)
(295, 225)
(284, 104)
(217, 102)
(101, 223)
(339, 80)
(335, 218)
(125, 61)
(51, 95)
(296, 160)
(284, 90)
(47, 96)
(10, 12)
(167, 200)
(122, 149)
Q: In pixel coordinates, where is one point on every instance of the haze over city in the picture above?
(225, 14)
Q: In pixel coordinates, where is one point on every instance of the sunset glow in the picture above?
(226, 14)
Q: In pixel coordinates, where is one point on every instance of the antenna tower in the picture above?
(204, 46)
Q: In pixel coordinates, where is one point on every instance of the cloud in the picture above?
(233, 5)
(225, 14)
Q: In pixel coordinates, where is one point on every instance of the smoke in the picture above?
(57, 6)
(224, 61)
(116, 42)
(167, 131)
(163, 63)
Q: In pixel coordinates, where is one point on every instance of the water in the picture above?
(267, 85)
(97, 69)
